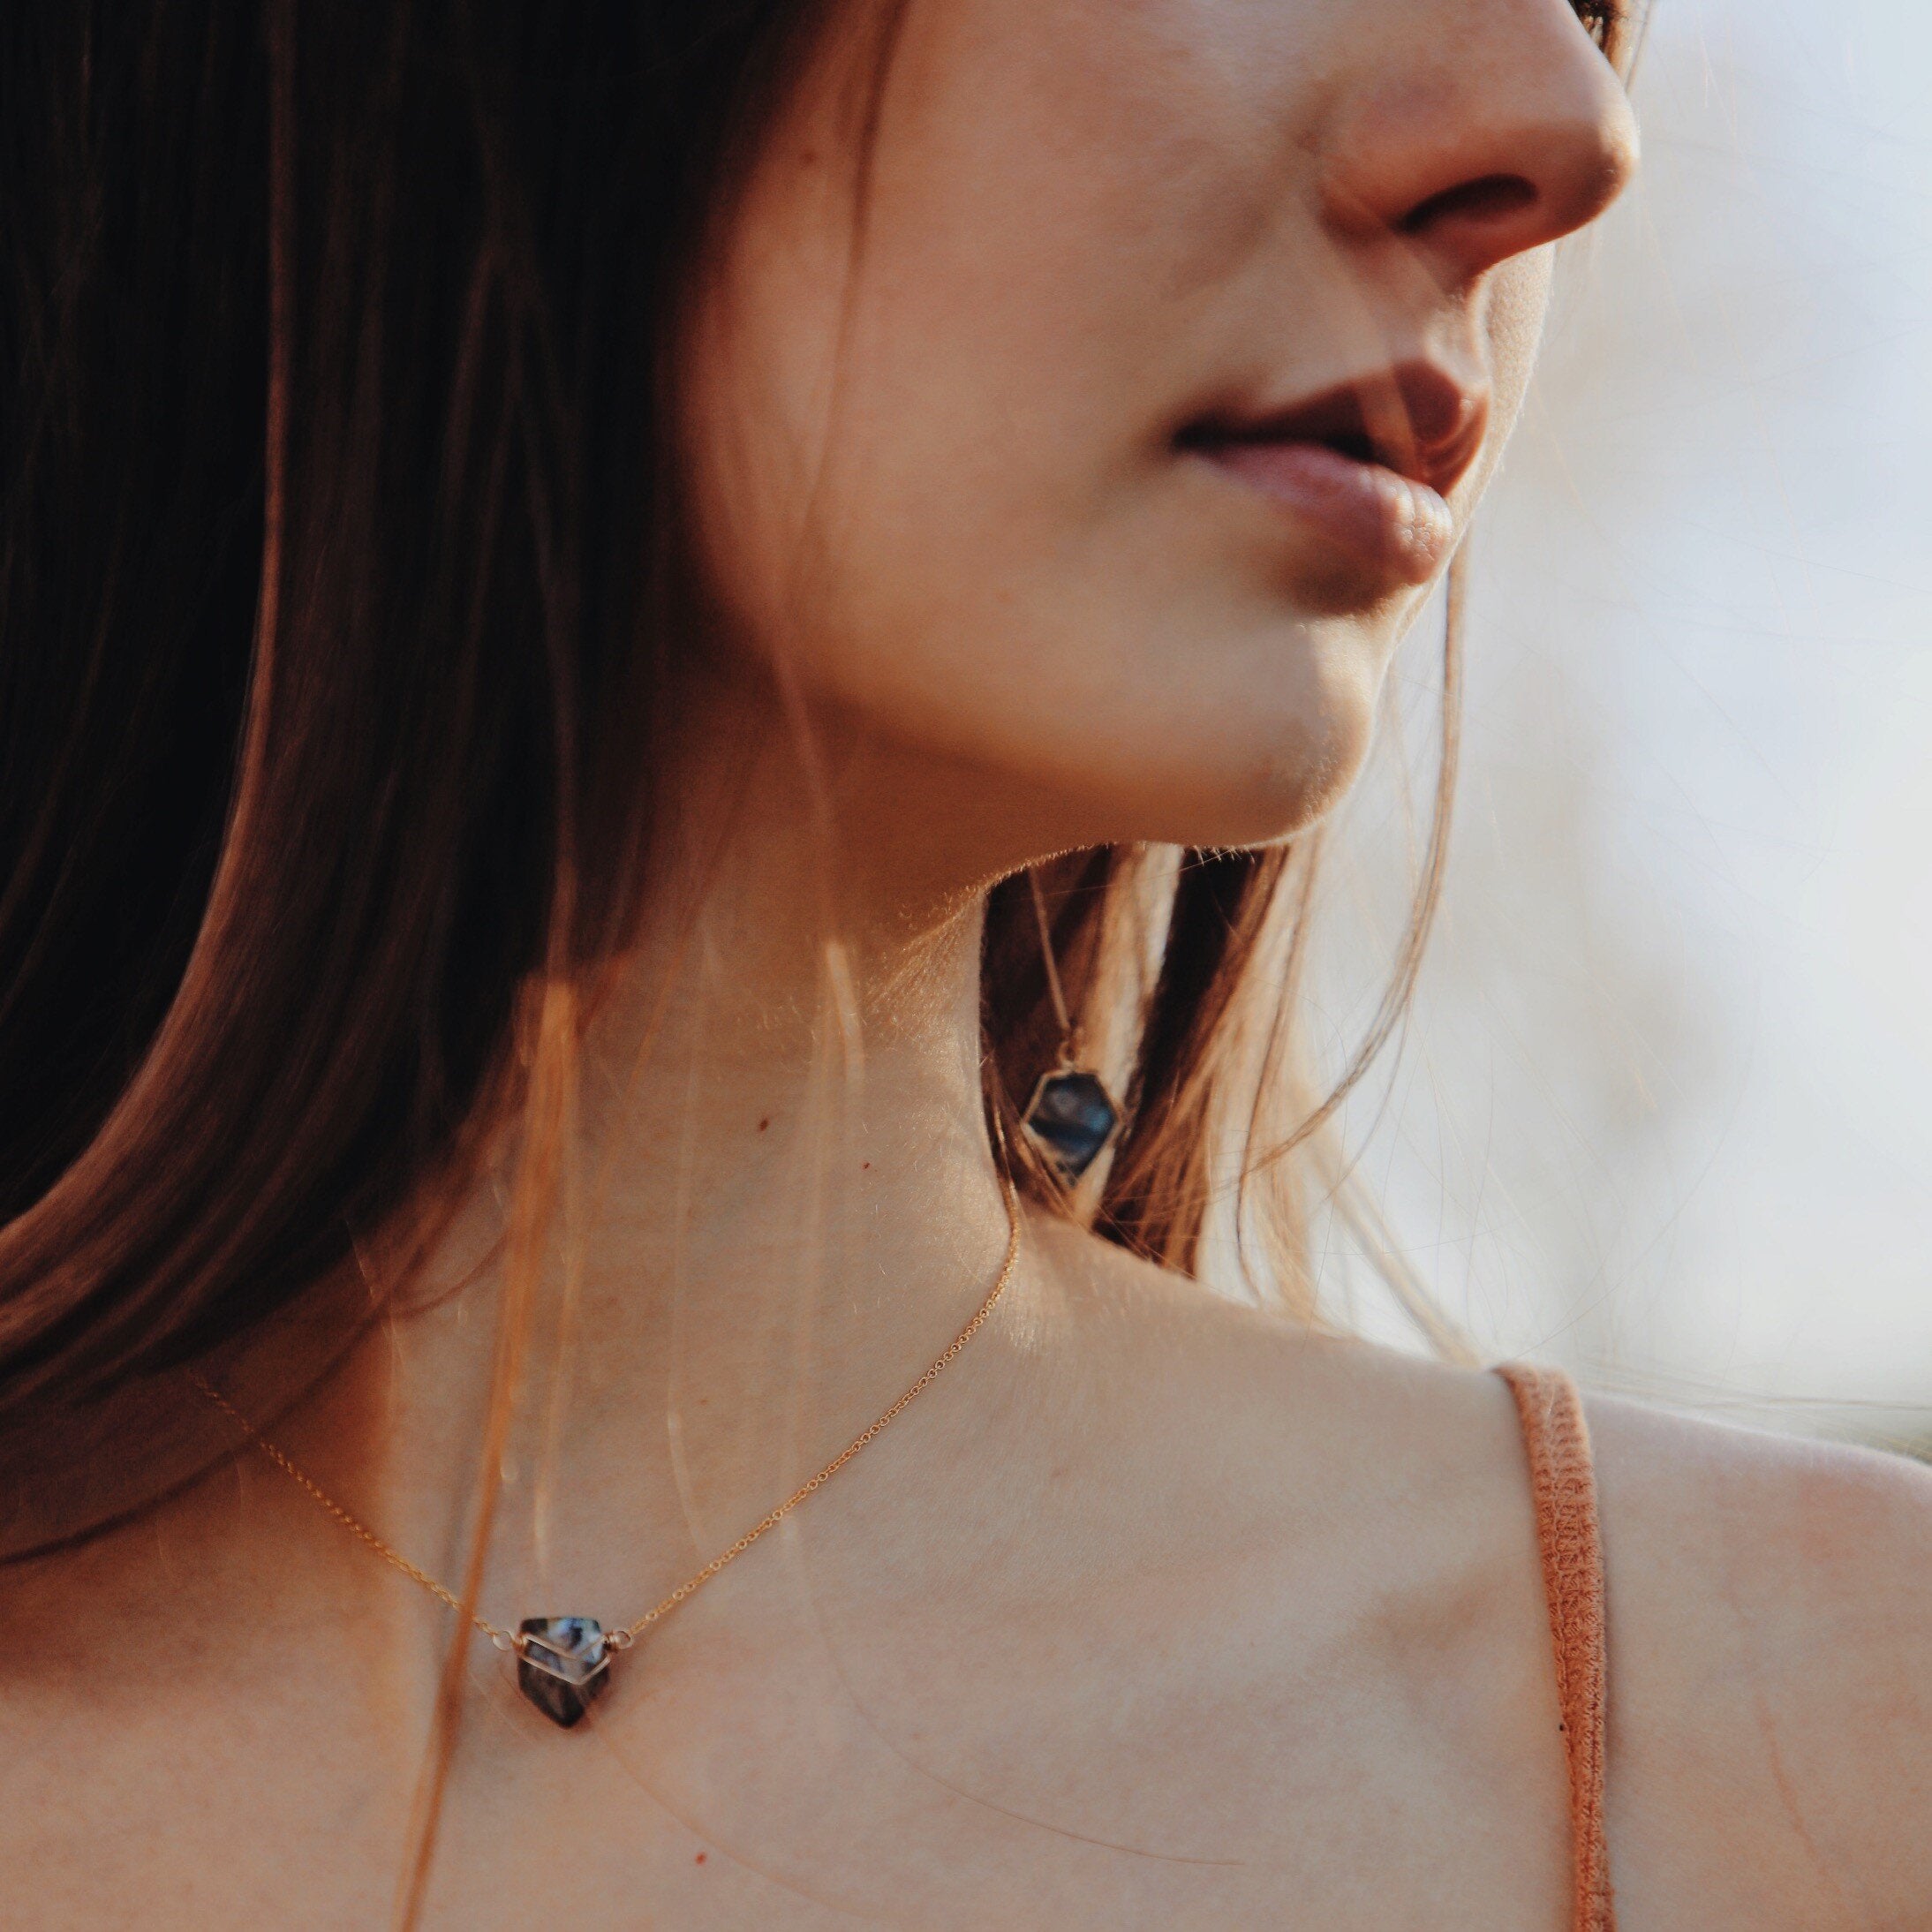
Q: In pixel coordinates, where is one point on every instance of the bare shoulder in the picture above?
(1349, 1459)
(1771, 1612)
(1259, 1392)
(1365, 1700)
(1769, 1602)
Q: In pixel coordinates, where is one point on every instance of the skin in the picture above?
(1155, 1611)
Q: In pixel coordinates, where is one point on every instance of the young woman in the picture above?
(603, 1321)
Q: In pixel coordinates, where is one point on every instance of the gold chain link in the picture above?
(502, 1639)
(622, 1637)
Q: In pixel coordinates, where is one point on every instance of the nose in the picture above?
(1518, 135)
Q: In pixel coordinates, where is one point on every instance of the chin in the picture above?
(1267, 794)
(1248, 773)
(1224, 704)
(1249, 761)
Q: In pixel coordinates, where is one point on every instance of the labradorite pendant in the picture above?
(1071, 1118)
(562, 1663)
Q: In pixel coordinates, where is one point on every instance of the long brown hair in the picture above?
(342, 576)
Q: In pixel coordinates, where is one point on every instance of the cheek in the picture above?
(1019, 589)
(1114, 649)
(934, 477)
(1518, 299)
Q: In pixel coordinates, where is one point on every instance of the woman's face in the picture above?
(1086, 392)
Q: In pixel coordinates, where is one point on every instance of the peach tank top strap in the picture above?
(1564, 1487)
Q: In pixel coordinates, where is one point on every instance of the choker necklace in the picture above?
(564, 1663)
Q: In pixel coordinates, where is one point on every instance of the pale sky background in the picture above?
(1665, 1110)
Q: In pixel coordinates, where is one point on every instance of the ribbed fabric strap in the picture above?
(1564, 1487)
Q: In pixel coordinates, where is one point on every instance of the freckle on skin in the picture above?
(765, 1123)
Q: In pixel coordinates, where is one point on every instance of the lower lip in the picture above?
(1401, 528)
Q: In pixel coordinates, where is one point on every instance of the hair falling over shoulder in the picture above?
(341, 574)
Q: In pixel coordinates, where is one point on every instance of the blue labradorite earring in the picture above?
(1072, 1117)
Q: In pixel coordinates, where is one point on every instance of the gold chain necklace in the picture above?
(562, 1663)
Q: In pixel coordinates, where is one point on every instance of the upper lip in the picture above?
(1412, 419)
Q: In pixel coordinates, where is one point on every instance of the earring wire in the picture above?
(1046, 954)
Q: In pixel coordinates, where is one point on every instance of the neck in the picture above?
(781, 1204)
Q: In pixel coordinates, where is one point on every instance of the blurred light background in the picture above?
(1664, 1110)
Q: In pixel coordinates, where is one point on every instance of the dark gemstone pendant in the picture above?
(562, 1663)
(1071, 1118)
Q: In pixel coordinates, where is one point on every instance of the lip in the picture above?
(1366, 464)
